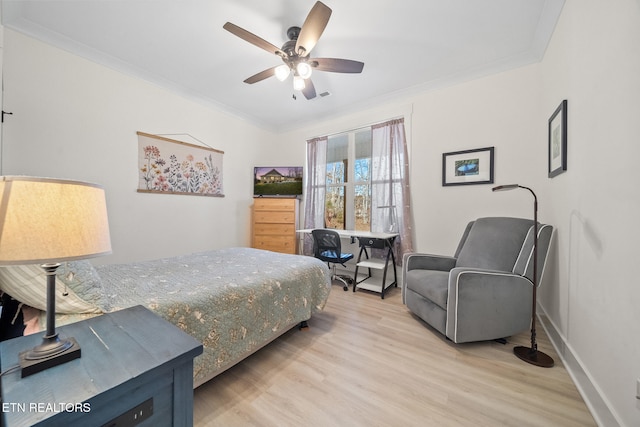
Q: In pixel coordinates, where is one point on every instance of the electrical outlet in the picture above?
(133, 416)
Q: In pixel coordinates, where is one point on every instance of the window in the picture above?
(348, 181)
(359, 180)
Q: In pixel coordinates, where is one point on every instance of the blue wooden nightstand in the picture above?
(136, 369)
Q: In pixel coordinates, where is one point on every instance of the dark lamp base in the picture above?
(534, 357)
(52, 352)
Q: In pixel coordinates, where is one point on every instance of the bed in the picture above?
(233, 300)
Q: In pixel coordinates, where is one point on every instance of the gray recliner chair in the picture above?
(484, 291)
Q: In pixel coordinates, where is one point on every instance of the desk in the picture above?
(371, 240)
(135, 368)
(354, 234)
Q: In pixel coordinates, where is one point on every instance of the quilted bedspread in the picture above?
(233, 300)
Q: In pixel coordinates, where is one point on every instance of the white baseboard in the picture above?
(594, 400)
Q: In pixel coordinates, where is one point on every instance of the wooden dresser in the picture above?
(274, 224)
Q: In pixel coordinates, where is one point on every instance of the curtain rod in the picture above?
(401, 116)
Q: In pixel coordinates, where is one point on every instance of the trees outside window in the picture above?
(348, 181)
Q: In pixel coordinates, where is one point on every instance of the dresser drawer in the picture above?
(271, 229)
(265, 240)
(158, 389)
(274, 217)
(272, 245)
(275, 243)
(274, 204)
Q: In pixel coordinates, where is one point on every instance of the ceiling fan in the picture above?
(295, 52)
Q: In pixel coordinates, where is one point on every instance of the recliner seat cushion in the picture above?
(431, 284)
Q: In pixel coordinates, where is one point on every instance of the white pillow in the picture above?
(28, 284)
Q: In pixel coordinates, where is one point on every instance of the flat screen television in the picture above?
(277, 181)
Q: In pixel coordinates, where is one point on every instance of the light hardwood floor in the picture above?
(365, 361)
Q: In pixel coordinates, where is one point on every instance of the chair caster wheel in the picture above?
(345, 288)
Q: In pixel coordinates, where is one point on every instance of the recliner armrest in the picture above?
(486, 304)
(416, 261)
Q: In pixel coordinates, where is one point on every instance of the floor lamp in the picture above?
(531, 354)
(46, 221)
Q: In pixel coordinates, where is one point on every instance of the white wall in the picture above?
(593, 61)
(75, 119)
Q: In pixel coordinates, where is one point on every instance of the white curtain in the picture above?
(316, 180)
(390, 195)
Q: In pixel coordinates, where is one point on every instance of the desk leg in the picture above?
(386, 266)
(395, 273)
(384, 273)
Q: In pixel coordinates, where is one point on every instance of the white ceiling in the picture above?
(406, 45)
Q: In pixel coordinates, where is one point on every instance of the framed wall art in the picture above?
(558, 140)
(174, 167)
(468, 167)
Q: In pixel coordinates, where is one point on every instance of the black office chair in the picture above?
(327, 247)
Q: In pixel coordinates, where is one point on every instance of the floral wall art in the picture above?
(175, 167)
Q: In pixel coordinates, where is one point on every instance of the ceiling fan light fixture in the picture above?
(304, 69)
(298, 83)
(282, 72)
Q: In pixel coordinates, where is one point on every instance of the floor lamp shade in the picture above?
(50, 220)
(46, 221)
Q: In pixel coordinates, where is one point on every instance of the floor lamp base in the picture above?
(534, 357)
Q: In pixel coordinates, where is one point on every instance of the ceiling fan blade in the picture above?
(261, 76)
(253, 39)
(309, 90)
(336, 65)
(312, 28)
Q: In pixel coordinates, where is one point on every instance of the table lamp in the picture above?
(47, 221)
(531, 354)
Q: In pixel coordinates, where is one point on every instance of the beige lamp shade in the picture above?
(51, 220)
